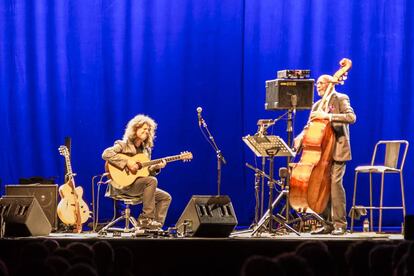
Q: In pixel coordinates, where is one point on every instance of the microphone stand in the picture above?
(219, 154)
(289, 130)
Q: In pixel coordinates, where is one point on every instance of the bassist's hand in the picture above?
(319, 115)
(132, 166)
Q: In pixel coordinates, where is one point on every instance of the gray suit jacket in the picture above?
(342, 115)
(128, 148)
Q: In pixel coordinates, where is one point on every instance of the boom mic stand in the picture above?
(263, 125)
(289, 129)
(259, 177)
(210, 138)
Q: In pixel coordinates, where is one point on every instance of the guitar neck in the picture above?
(69, 172)
(156, 161)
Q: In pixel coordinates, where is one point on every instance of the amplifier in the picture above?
(293, 74)
(289, 94)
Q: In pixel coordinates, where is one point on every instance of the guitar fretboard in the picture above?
(156, 161)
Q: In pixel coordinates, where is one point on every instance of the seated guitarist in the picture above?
(139, 138)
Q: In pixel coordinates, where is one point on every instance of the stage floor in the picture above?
(163, 255)
(237, 235)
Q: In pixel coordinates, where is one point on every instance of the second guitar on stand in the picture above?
(72, 209)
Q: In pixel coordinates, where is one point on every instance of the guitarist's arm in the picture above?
(112, 155)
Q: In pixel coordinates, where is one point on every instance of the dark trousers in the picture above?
(155, 201)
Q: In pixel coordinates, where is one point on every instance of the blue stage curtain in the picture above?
(84, 68)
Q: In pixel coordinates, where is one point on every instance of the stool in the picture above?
(394, 150)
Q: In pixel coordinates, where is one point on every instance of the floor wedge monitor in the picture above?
(23, 217)
(207, 216)
(46, 195)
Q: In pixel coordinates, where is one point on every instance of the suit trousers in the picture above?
(154, 200)
(338, 198)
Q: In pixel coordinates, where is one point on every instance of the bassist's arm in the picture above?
(346, 112)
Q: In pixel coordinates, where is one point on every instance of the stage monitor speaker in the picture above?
(46, 195)
(288, 94)
(207, 216)
(409, 227)
(23, 217)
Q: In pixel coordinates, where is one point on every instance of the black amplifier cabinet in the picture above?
(289, 94)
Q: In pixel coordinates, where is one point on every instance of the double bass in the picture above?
(72, 209)
(310, 182)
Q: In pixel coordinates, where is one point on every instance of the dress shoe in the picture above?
(339, 231)
(322, 230)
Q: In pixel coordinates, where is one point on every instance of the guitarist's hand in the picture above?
(132, 166)
(159, 165)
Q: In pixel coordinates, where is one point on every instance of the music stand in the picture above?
(264, 146)
(270, 146)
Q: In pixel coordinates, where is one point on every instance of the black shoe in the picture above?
(322, 230)
(339, 231)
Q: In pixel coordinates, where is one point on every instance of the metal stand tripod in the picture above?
(269, 146)
(266, 222)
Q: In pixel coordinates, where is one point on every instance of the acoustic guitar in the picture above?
(72, 210)
(124, 177)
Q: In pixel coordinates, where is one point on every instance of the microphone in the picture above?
(200, 119)
(294, 100)
(268, 122)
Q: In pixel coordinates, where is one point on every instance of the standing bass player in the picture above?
(340, 114)
(139, 139)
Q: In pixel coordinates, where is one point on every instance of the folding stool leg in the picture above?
(353, 202)
(381, 202)
(402, 194)
(371, 216)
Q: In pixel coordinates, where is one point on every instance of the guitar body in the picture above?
(124, 177)
(67, 207)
